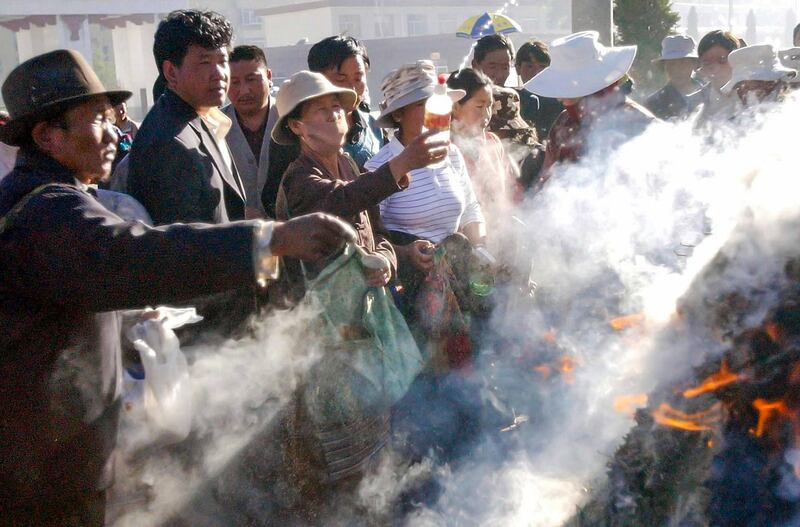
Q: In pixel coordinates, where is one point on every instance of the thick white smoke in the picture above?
(624, 232)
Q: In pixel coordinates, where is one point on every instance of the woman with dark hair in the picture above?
(493, 174)
(713, 51)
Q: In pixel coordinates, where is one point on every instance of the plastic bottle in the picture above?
(438, 108)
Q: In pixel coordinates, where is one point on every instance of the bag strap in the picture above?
(7, 221)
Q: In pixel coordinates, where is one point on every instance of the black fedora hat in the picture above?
(46, 86)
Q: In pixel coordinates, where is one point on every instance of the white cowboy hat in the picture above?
(409, 84)
(791, 59)
(756, 63)
(303, 86)
(581, 66)
(676, 47)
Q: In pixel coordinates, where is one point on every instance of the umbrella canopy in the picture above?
(479, 26)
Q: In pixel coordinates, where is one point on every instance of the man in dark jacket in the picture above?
(181, 168)
(683, 93)
(68, 264)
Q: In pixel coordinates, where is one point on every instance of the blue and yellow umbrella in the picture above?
(487, 24)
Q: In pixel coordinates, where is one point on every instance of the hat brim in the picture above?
(778, 74)
(557, 83)
(16, 131)
(283, 136)
(692, 56)
(384, 120)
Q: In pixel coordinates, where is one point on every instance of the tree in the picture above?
(645, 23)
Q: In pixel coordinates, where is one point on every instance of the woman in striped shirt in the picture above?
(440, 200)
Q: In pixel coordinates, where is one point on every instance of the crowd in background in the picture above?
(235, 199)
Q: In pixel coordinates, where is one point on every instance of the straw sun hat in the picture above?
(301, 87)
(581, 66)
(409, 84)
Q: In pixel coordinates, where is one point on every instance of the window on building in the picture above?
(447, 24)
(250, 18)
(384, 26)
(350, 25)
(417, 25)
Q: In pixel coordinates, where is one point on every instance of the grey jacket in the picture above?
(253, 172)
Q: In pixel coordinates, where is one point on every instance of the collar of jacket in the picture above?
(32, 170)
(178, 106)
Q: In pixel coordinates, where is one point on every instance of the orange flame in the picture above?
(696, 422)
(620, 323)
(544, 370)
(550, 336)
(566, 365)
(773, 331)
(766, 409)
(627, 404)
(713, 382)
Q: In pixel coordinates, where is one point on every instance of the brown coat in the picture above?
(307, 186)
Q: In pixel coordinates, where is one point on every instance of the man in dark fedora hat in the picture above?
(67, 265)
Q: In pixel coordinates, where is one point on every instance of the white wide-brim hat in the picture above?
(301, 87)
(791, 59)
(756, 63)
(580, 66)
(409, 84)
(676, 47)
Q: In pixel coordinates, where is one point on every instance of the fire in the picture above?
(713, 382)
(627, 404)
(544, 370)
(773, 331)
(566, 365)
(696, 422)
(550, 336)
(766, 410)
(620, 323)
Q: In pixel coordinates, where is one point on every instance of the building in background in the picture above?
(117, 37)
(766, 21)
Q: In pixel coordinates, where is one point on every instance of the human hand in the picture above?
(421, 255)
(421, 152)
(310, 237)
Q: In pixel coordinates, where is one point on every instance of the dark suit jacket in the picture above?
(177, 170)
(67, 265)
(669, 103)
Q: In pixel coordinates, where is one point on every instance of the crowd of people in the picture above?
(238, 209)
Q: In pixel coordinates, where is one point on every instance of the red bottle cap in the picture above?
(442, 78)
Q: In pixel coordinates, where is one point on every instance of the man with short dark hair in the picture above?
(533, 57)
(344, 61)
(253, 114)
(69, 264)
(180, 166)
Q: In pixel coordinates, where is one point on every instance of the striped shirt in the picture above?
(439, 201)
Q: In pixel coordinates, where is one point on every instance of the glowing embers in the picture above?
(563, 366)
(629, 321)
(627, 404)
(714, 382)
(666, 415)
(770, 412)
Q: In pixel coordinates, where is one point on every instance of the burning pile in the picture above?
(724, 450)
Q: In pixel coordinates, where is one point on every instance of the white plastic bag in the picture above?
(167, 392)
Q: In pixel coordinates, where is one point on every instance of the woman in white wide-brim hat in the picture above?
(440, 200)
(586, 77)
(682, 93)
(758, 75)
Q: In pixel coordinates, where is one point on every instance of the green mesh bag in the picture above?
(370, 357)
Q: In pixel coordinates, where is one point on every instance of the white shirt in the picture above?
(438, 202)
